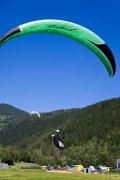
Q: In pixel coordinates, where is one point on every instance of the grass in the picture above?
(16, 173)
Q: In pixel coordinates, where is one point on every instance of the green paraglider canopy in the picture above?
(70, 30)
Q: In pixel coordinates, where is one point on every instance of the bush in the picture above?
(114, 171)
(31, 167)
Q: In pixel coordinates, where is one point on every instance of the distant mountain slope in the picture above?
(100, 121)
(10, 114)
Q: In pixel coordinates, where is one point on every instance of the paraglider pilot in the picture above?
(58, 140)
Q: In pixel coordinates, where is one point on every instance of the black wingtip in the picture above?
(108, 53)
(10, 33)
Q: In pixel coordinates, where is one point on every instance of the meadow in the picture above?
(37, 174)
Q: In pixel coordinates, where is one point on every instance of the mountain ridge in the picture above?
(94, 129)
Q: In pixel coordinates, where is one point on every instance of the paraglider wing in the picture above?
(35, 113)
(70, 30)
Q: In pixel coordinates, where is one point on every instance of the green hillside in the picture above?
(9, 115)
(92, 134)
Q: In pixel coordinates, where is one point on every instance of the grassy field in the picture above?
(20, 172)
(24, 174)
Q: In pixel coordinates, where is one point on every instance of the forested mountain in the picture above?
(10, 114)
(92, 134)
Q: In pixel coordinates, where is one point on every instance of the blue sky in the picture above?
(48, 72)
